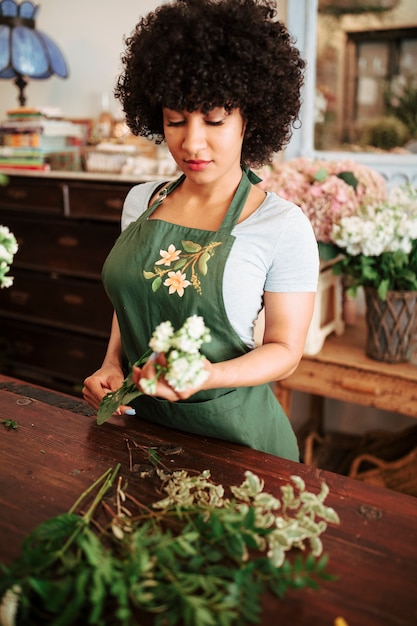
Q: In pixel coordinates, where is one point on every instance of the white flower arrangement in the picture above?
(184, 364)
(380, 228)
(8, 248)
(379, 244)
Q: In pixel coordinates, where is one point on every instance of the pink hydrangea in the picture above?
(316, 186)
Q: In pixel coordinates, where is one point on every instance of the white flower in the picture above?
(195, 326)
(8, 248)
(381, 228)
(9, 606)
(185, 365)
(185, 370)
(185, 343)
(5, 255)
(161, 338)
(8, 240)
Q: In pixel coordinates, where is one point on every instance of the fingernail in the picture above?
(130, 412)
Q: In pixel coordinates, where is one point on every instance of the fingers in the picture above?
(125, 409)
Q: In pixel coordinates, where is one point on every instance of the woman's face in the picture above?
(205, 146)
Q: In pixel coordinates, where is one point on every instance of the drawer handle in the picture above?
(68, 242)
(23, 348)
(362, 386)
(115, 204)
(19, 297)
(73, 298)
(76, 354)
(17, 194)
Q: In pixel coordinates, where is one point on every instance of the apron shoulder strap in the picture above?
(239, 200)
(161, 193)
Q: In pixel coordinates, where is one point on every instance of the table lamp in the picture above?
(24, 50)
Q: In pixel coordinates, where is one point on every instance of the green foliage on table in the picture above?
(195, 558)
(9, 424)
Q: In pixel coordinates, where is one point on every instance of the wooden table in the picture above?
(342, 371)
(58, 450)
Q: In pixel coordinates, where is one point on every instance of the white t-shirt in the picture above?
(275, 250)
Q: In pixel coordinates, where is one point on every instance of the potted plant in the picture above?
(379, 247)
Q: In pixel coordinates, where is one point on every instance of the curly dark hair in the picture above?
(193, 54)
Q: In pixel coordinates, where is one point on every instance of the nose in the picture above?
(194, 135)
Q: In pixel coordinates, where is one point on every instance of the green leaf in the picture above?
(52, 533)
(202, 263)
(328, 251)
(125, 394)
(111, 401)
(9, 424)
(179, 264)
(190, 246)
(321, 175)
(157, 283)
(148, 275)
(383, 289)
(349, 178)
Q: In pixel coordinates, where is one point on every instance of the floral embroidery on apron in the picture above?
(193, 258)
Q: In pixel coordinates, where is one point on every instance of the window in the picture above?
(345, 56)
(381, 82)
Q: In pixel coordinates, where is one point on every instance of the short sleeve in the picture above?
(136, 202)
(295, 259)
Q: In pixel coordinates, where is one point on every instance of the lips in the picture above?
(197, 165)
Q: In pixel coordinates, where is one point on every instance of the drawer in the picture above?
(26, 194)
(62, 246)
(54, 354)
(97, 201)
(58, 301)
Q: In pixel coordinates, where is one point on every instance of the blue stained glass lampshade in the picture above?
(24, 50)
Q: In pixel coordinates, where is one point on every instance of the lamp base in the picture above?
(21, 83)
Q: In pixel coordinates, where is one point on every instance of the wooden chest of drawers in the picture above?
(55, 319)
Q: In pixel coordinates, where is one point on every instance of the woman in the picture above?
(219, 81)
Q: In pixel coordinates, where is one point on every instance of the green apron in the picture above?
(158, 271)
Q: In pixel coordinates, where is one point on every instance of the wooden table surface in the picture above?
(342, 371)
(58, 450)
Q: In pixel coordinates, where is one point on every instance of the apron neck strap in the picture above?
(236, 206)
(239, 200)
(164, 192)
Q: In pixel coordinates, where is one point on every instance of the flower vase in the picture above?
(390, 325)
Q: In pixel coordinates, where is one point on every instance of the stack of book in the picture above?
(32, 141)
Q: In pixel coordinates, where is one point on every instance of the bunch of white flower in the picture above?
(8, 248)
(380, 228)
(185, 364)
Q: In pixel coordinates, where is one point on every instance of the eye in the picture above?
(215, 122)
(175, 124)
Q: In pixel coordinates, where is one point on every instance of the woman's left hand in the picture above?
(163, 389)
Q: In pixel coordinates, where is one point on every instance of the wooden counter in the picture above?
(58, 450)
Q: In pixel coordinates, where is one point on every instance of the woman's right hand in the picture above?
(107, 378)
